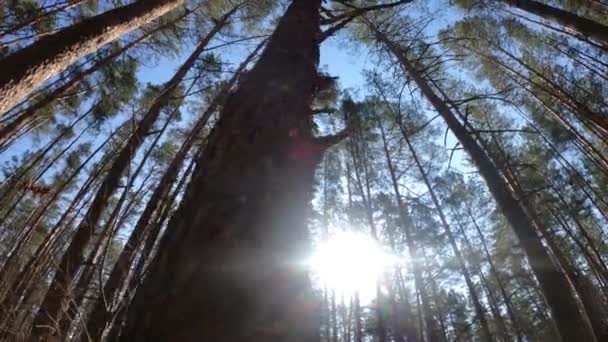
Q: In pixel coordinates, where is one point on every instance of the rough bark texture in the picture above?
(28, 68)
(573, 324)
(72, 258)
(30, 112)
(230, 267)
(585, 27)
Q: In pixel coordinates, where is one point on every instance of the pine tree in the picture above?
(28, 68)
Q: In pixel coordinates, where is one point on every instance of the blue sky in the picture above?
(339, 57)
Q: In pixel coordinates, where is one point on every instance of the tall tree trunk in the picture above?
(358, 319)
(380, 316)
(26, 69)
(334, 317)
(28, 228)
(95, 260)
(597, 317)
(11, 297)
(106, 234)
(99, 315)
(492, 302)
(435, 294)
(479, 309)
(572, 323)
(586, 27)
(407, 224)
(146, 257)
(70, 262)
(228, 268)
(499, 282)
(362, 182)
(30, 112)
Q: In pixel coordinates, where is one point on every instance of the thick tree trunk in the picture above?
(572, 323)
(30, 112)
(70, 263)
(26, 69)
(585, 27)
(590, 304)
(230, 267)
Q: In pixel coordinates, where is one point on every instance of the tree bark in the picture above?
(26, 69)
(573, 324)
(579, 282)
(586, 27)
(230, 265)
(30, 112)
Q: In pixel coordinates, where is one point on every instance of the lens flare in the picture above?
(350, 263)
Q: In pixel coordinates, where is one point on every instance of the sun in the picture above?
(350, 263)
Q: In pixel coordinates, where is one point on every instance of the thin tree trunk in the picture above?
(70, 263)
(573, 325)
(407, 225)
(479, 310)
(107, 233)
(26, 69)
(433, 285)
(586, 27)
(94, 261)
(334, 317)
(358, 320)
(99, 315)
(224, 268)
(360, 163)
(594, 312)
(493, 303)
(138, 272)
(25, 233)
(37, 268)
(32, 21)
(499, 282)
(53, 232)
